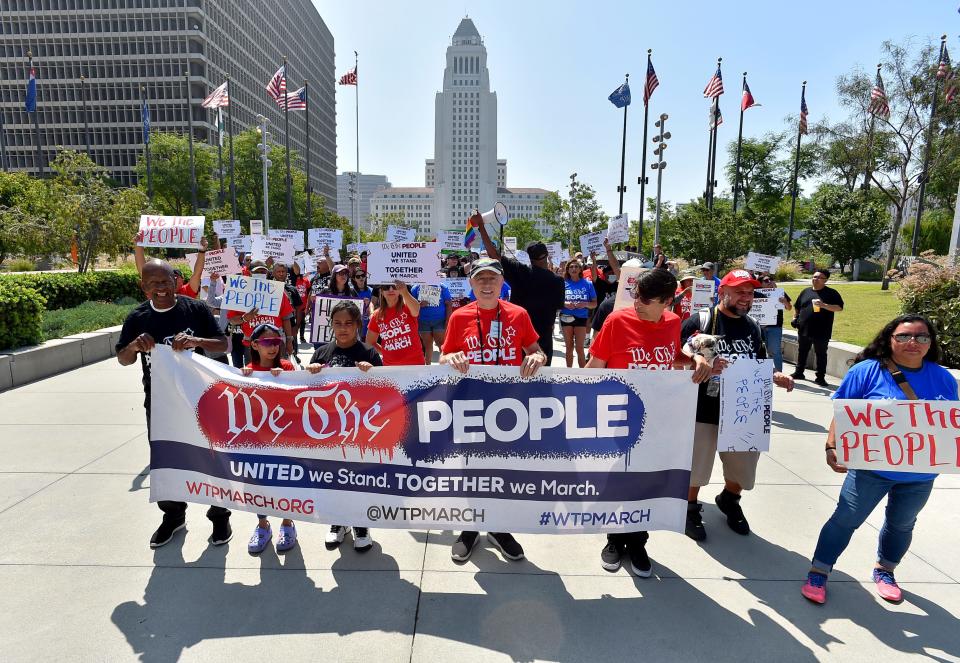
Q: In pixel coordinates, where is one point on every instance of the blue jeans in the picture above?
(862, 490)
(773, 339)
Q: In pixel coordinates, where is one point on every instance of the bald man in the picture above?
(184, 324)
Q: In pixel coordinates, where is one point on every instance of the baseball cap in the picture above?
(257, 265)
(687, 276)
(485, 265)
(739, 277)
(537, 250)
(708, 265)
(354, 260)
(339, 268)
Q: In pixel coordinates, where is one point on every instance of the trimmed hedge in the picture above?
(22, 307)
(932, 288)
(68, 290)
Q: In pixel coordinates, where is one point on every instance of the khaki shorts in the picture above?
(738, 466)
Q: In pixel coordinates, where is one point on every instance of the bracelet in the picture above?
(829, 448)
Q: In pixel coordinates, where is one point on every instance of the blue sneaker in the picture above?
(259, 540)
(287, 538)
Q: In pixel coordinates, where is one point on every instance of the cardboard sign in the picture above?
(450, 240)
(401, 234)
(356, 248)
(222, 261)
(510, 243)
(322, 329)
(903, 436)
(746, 405)
(758, 262)
(295, 236)
(281, 250)
(240, 244)
(412, 262)
(764, 311)
(554, 251)
(772, 293)
(226, 229)
(172, 232)
(702, 294)
(458, 287)
(256, 226)
(592, 243)
(628, 276)
(429, 295)
(244, 293)
(317, 238)
(618, 229)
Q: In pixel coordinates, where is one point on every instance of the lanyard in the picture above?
(483, 337)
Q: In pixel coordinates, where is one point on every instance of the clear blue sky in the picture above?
(553, 64)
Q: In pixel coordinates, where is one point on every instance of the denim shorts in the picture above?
(429, 326)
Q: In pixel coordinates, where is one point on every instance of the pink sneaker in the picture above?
(815, 589)
(887, 586)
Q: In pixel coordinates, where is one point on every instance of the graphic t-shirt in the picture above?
(581, 291)
(284, 364)
(626, 341)
(187, 315)
(399, 336)
(817, 324)
(870, 380)
(433, 301)
(685, 304)
(303, 289)
(473, 331)
(286, 312)
(736, 338)
(331, 354)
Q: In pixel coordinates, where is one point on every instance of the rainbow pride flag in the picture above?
(470, 236)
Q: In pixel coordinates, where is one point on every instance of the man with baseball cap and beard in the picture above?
(737, 336)
(490, 332)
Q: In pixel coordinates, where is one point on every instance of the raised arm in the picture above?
(492, 250)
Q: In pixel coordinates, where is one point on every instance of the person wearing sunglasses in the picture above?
(364, 292)
(393, 330)
(813, 320)
(901, 363)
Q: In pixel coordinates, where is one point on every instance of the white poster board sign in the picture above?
(222, 261)
(356, 248)
(618, 229)
(554, 250)
(307, 263)
(256, 226)
(317, 238)
(227, 228)
(592, 243)
(245, 293)
(759, 262)
(409, 262)
(702, 294)
(240, 244)
(172, 232)
(772, 293)
(522, 256)
(322, 329)
(764, 311)
(628, 277)
(450, 240)
(401, 234)
(510, 243)
(295, 236)
(281, 250)
(746, 405)
(458, 287)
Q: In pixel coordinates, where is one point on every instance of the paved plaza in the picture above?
(81, 583)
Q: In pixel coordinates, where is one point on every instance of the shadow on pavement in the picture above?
(796, 424)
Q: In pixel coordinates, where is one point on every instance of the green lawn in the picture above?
(88, 317)
(866, 309)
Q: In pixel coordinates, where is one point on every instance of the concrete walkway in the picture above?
(81, 583)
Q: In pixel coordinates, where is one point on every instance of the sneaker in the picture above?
(362, 541)
(729, 504)
(287, 538)
(506, 544)
(820, 382)
(463, 546)
(610, 555)
(259, 540)
(222, 532)
(815, 589)
(797, 376)
(694, 528)
(335, 536)
(887, 586)
(168, 527)
(639, 561)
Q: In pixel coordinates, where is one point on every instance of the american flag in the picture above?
(295, 100)
(652, 82)
(945, 71)
(277, 87)
(803, 111)
(747, 100)
(715, 107)
(217, 98)
(349, 78)
(715, 85)
(878, 99)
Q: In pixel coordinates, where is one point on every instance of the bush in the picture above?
(89, 316)
(22, 309)
(21, 265)
(68, 290)
(933, 290)
(788, 270)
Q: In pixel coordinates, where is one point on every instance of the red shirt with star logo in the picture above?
(399, 336)
(468, 323)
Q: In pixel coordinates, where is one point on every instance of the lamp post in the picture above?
(264, 147)
(660, 164)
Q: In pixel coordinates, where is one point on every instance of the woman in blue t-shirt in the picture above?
(908, 345)
(435, 308)
(579, 298)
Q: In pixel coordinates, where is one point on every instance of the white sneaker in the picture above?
(335, 536)
(362, 541)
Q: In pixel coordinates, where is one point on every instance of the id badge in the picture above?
(495, 329)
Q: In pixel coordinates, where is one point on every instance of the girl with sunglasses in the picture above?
(393, 327)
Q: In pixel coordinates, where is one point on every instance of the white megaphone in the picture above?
(498, 213)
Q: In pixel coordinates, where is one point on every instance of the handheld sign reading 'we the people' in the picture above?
(172, 232)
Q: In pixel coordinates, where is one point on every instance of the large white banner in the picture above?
(567, 451)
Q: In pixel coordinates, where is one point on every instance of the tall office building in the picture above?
(121, 45)
(464, 172)
(366, 186)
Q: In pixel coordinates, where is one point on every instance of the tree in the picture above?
(379, 223)
(524, 230)
(702, 234)
(587, 215)
(22, 225)
(847, 224)
(170, 170)
(935, 230)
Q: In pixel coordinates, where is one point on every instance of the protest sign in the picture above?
(307, 262)
(450, 240)
(295, 236)
(565, 255)
(401, 234)
(771, 293)
(429, 295)
(628, 276)
(317, 238)
(902, 436)
(172, 232)
(746, 405)
(554, 249)
(240, 244)
(413, 262)
(458, 287)
(618, 229)
(510, 243)
(321, 330)
(702, 297)
(569, 451)
(522, 256)
(356, 248)
(592, 243)
(244, 293)
(256, 226)
(758, 262)
(281, 250)
(764, 311)
(222, 261)
(225, 229)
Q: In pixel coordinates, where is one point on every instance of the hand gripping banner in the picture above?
(567, 451)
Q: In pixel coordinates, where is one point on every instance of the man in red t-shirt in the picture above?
(249, 320)
(490, 332)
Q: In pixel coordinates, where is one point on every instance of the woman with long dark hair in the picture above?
(900, 364)
(579, 299)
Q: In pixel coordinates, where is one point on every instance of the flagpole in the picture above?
(220, 198)
(623, 150)
(86, 123)
(924, 174)
(356, 198)
(706, 191)
(796, 174)
(286, 131)
(736, 177)
(642, 180)
(146, 144)
(36, 120)
(193, 170)
(306, 94)
(233, 185)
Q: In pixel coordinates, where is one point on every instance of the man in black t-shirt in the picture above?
(182, 323)
(813, 318)
(737, 336)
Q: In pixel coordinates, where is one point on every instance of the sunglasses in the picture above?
(359, 276)
(389, 287)
(269, 342)
(922, 339)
